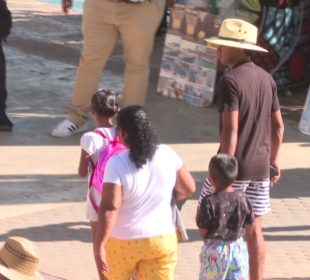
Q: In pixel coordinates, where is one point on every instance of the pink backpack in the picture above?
(113, 147)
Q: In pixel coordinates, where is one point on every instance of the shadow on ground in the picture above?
(34, 188)
(194, 235)
(73, 231)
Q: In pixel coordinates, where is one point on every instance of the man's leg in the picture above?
(257, 270)
(3, 92)
(5, 123)
(258, 194)
(138, 24)
(100, 36)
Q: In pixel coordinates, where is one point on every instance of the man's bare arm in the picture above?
(229, 132)
(277, 130)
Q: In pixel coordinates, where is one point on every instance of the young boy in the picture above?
(221, 219)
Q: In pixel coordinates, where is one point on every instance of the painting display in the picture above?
(188, 68)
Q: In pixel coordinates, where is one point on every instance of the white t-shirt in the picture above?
(146, 193)
(93, 143)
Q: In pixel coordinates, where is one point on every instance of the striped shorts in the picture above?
(256, 190)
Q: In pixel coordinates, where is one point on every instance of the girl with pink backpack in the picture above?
(105, 104)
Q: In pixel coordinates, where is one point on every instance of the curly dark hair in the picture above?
(106, 102)
(142, 139)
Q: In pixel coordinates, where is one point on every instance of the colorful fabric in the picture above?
(224, 260)
(152, 258)
(256, 190)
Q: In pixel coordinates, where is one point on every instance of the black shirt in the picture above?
(252, 92)
(224, 215)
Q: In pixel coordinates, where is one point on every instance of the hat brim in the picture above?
(229, 43)
(13, 274)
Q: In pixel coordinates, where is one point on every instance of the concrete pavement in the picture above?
(42, 198)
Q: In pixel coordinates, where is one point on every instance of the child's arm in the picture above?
(203, 218)
(84, 163)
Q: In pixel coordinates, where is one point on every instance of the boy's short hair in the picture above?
(224, 168)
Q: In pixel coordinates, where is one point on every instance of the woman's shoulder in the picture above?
(166, 150)
(164, 147)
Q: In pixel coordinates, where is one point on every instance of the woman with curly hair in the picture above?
(136, 231)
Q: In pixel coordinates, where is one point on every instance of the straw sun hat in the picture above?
(237, 33)
(19, 259)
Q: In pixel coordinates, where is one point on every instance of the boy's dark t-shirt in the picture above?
(252, 92)
(224, 215)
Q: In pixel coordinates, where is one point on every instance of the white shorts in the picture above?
(256, 190)
(91, 213)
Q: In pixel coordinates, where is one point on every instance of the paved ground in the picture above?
(42, 198)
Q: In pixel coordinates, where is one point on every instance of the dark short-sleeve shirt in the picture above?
(252, 92)
(225, 214)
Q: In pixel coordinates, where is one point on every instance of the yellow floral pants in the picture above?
(151, 258)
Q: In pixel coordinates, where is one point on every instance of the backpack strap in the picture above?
(91, 198)
(99, 132)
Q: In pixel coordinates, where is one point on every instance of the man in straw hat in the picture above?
(19, 259)
(251, 125)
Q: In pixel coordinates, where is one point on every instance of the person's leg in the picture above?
(93, 226)
(239, 264)
(5, 123)
(138, 25)
(257, 262)
(158, 258)
(100, 36)
(122, 257)
(215, 257)
(3, 92)
(258, 193)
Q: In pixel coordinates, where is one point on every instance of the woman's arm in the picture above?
(84, 163)
(110, 204)
(185, 184)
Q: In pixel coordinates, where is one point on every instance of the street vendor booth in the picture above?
(189, 68)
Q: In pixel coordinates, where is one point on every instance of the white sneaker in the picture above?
(67, 128)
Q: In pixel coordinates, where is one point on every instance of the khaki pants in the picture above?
(104, 22)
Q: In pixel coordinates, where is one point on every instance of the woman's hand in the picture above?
(101, 261)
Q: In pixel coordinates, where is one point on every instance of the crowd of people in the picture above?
(131, 213)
